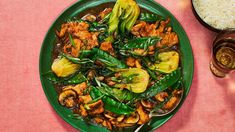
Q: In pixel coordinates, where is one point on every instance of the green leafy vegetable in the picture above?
(111, 104)
(160, 105)
(151, 73)
(85, 53)
(119, 94)
(148, 17)
(107, 59)
(135, 79)
(71, 40)
(106, 18)
(103, 36)
(141, 43)
(63, 67)
(74, 79)
(162, 84)
(169, 61)
(124, 13)
(97, 27)
(77, 60)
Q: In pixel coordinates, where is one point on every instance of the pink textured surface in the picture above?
(210, 106)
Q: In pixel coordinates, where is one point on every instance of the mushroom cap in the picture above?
(68, 98)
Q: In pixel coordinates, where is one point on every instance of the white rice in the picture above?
(219, 14)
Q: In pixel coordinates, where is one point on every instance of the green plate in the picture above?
(74, 10)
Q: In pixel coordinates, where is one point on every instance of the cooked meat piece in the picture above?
(148, 30)
(72, 27)
(83, 39)
(151, 50)
(136, 28)
(89, 39)
(107, 46)
(159, 31)
(137, 63)
(98, 120)
(83, 111)
(83, 35)
(109, 81)
(169, 39)
(144, 29)
(76, 49)
(144, 116)
(73, 50)
(130, 61)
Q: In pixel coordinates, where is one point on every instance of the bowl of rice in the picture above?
(216, 15)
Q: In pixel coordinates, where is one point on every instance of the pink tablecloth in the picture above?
(210, 106)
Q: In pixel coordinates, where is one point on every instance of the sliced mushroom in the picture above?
(84, 99)
(171, 103)
(117, 120)
(133, 119)
(107, 124)
(68, 98)
(104, 13)
(121, 125)
(79, 88)
(137, 63)
(89, 17)
(120, 118)
(109, 115)
(161, 96)
(95, 108)
(144, 116)
(140, 52)
(100, 78)
(91, 74)
(147, 104)
(177, 92)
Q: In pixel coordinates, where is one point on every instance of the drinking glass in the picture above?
(223, 53)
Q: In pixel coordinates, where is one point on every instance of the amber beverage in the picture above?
(223, 54)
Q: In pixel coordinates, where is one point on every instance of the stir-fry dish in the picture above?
(117, 68)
